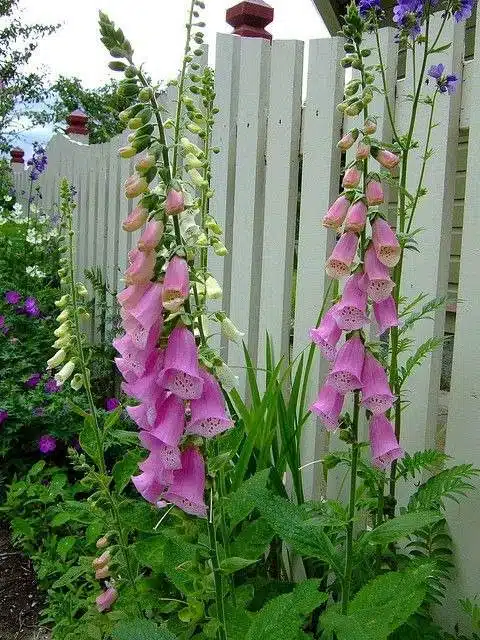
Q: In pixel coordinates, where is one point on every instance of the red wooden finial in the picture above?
(77, 123)
(17, 155)
(249, 19)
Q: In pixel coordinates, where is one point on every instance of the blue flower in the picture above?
(445, 83)
(464, 10)
(407, 14)
(436, 71)
(365, 6)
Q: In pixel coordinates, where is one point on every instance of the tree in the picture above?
(102, 106)
(22, 92)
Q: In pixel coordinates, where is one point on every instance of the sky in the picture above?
(154, 27)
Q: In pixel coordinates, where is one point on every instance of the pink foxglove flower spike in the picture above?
(170, 421)
(356, 217)
(340, 261)
(141, 267)
(176, 284)
(352, 178)
(151, 236)
(328, 406)
(337, 212)
(374, 192)
(348, 140)
(136, 219)
(376, 394)
(385, 314)
(346, 373)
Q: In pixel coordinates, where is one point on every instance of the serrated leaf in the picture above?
(124, 469)
(150, 552)
(450, 483)
(141, 630)
(381, 606)
(282, 617)
(242, 502)
(401, 527)
(253, 540)
(65, 545)
(233, 564)
(71, 575)
(22, 527)
(89, 439)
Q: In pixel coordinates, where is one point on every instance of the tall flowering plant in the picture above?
(369, 253)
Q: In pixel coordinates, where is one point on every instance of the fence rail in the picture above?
(268, 139)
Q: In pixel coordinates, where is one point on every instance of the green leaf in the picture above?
(89, 439)
(124, 469)
(243, 501)
(138, 515)
(76, 409)
(112, 418)
(401, 527)
(449, 483)
(418, 357)
(141, 630)
(282, 617)
(233, 564)
(150, 552)
(71, 575)
(381, 606)
(252, 542)
(444, 47)
(21, 527)
(36, 469)
(65, 545)
(289, 522)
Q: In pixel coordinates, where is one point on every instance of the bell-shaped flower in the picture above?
(132, 295)
(181, 374)
(139, 415)
(327, 335)
(175, 202)
(141, 268)
(169, 421)
(363, 151)
(65, 372)
(337, 212)
(385, 243)
(162, 455)
(188, 487)
(148, 309)
(208, 415)
(134, 357)
(340, 261)
(145, 388)
(56, 359)
(151, 236)
(142, 337)
(77, 382)
(385, 158)
(346, 373)
(136, 219)
(106, 599)
(374, 192)
(351, 178)
(230, 331)
(135, 185)
(149, 486)
(376, 394)
(384, 444)
(380, 285)
(348, 140)
(102, 560)
(226, 377)
(356, 217)
(328, 406)
(350, 312)
(176, 284)
(385, 313)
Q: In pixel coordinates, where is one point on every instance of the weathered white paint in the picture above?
(320, 171)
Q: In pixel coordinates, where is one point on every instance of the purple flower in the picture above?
(38, 412)
(38, 162)
(51, 386)
(34, 379)
(436, 71)
(47, 444)
(31, 307)
(407, 14)
(445, 83)
(2, 321)
(365, 6)
(464, 10)
(111, 404)
(12, 297)
(3, 415)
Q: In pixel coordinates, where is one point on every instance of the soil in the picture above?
(19, 601)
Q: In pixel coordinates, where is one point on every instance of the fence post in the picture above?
(249, 19)
(78, 126)
(463, 433)
(17, 159)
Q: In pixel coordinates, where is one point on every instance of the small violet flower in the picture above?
(365, 6)
(12, 297)
(446, 83)
(464, 10)
(47, 444)
(51, 386)
(31, 307)
(34, 379)
(111, 404)
(3, 416)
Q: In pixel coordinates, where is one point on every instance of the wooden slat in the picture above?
(320, 171)
(248, 211)
(281, 196)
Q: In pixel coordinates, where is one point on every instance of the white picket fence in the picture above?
(264, 131)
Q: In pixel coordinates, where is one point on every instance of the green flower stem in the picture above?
(347, 580)
(112, 499)
(384, 83)
(217, 575)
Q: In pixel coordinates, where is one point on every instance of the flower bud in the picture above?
(385, 158)
(127, 152)
(230, 331)
(192, 162)
(134, 123)
(219, 248)
(145, 163)
(104, 572)
(151, 236)
(175, 202)
(374, 192)
(62, 330)
(226, 377)
(348, 140)
(105, 600)
(57, 359)
(136, 219)
(65, 372)
(145, 94)
(202, 240)
(336, 213)
(212, 289)
(135, 185)
(189, 147)
(352, 177)
(62, 343)
(369, 126)
(82, 290)
(354, 109)
(102, 542)
(197, 179)
(363, 151)
(77, 382)
(211, 225)
(62, 303)
(102, 561)
(63, 316)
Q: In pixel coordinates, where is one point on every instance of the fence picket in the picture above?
(320, 170)
(281, 196)
(249, 196)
